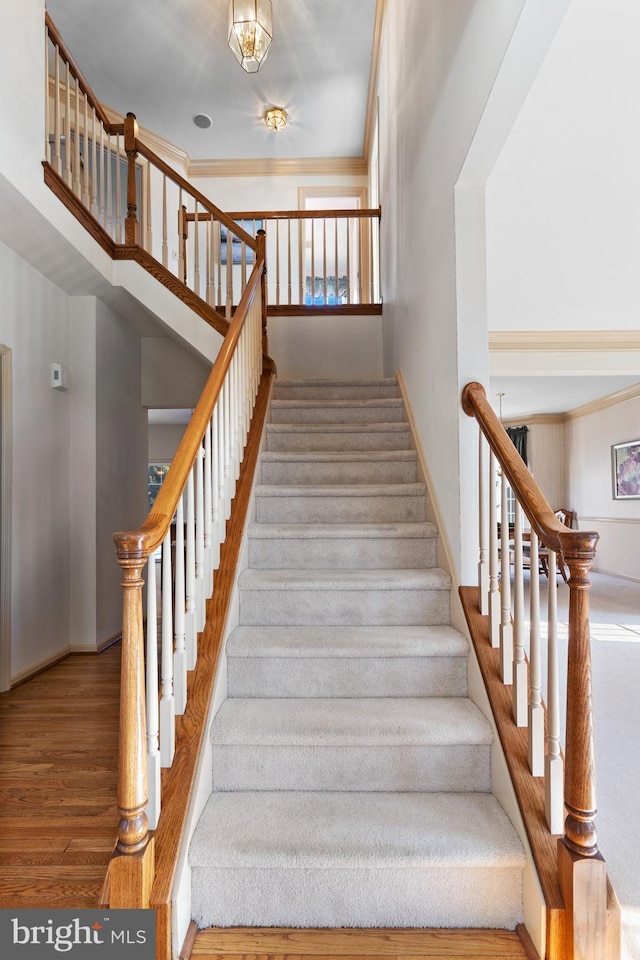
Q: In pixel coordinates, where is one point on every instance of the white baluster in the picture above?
(200, 571)
(77, 189)
(87, 150)
(506, 628)
(191, 628)
(149, 231)
(151, 683)
(167, 699)
(229, 303)
(536, 710)
(47, 103)
(554, 764)
(102, 213)
(324, 258)
(118, 211)
(519, 692)
(109, 188)
(165, 245)
(181, 249)
(94, 178)
(208, 512)
(216, 536)
(68, 176)
(483, 530)
(56, 115)
(196, 252)
(228, 434)
(494, 592)
(180, 655)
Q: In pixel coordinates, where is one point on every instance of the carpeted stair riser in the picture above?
(335, 389)
(349, 437)
(356, 860)
(337, 411)
(390, 466)
(380, 744)
(333, 546)
(350, 662)
(384, 503)
(358, 598)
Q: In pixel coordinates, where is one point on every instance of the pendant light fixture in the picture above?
(275, 118)
(250, 32)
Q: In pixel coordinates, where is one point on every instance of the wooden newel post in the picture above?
(130, 147)
(132, 866)
(261, 254)
(183, 236)
(581, 868)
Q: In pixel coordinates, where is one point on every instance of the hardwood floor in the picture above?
(245, 943)
(58, 763)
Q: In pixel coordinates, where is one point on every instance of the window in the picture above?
(156, 474)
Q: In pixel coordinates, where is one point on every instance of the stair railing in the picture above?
(134, 203)
(317, 259)
(180, 542)
(569, 781)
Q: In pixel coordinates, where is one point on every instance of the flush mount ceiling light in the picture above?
(275, 118)
(250, 32)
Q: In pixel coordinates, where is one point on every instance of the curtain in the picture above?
(518, 436)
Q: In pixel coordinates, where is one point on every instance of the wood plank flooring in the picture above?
(58, 770)
(246, 943)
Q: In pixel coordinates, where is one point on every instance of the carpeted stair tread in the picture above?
(430, 579)
(335, 389)
(312, 428)
(333, 531)
(341, 490)
(336, 411)
(342, 456)
(347, 642)
(363, 721)
(310, 829)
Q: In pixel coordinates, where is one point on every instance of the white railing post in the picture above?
(536, 710)
(200, 571)
(208, 512)
(167, 699)
(553, 764)
(191, 629)
(151, 689)
(506, 628)
(180, 655)
(483, 564)
(519, 691)
(494, 591)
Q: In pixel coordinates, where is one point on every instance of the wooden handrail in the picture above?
(55, 37)
(581, 868)
(554, 534)
(374, 212)
(140, 543)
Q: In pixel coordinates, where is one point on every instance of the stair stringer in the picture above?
(501, 785)
(181, 894)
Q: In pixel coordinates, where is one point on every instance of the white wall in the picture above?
(163, 441)
(439, 62)
(121, 456)
(589, 442)
(331, 347)
(34, 325)
(172, 376)
(562, 201)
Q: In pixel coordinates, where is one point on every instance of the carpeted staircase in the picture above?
(351, 773)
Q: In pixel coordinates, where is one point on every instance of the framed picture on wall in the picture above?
(625, 463)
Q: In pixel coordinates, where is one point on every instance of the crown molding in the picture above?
(534, 419)
(584, 341)
(611, 400)
(374, 73)
(267, 166)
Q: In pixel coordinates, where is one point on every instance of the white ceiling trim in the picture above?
(544, 341)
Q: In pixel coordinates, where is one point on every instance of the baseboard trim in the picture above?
(39, 667)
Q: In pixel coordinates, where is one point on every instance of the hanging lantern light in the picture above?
(250, 32)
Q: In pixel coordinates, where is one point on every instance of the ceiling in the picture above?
(525, 396)
(166, 60)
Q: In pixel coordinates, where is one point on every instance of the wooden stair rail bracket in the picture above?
(581, 868)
